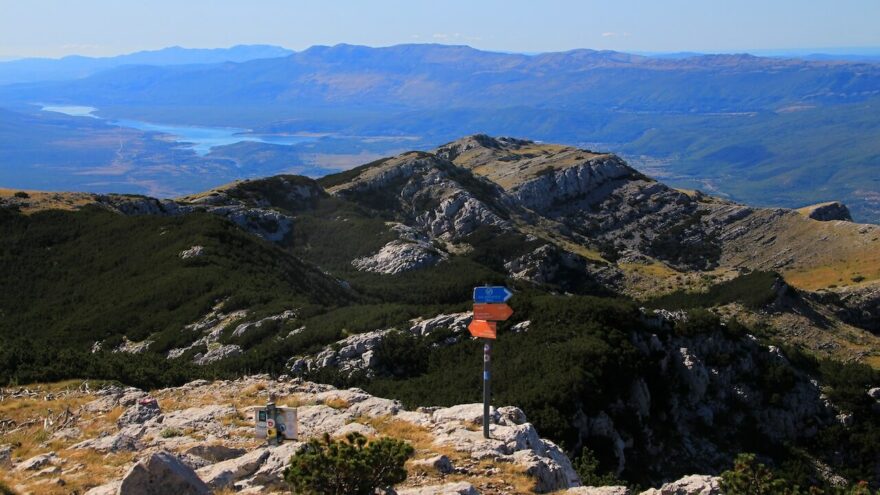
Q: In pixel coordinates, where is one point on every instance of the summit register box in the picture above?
(275, 422)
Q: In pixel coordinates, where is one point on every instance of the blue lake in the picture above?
(201, 139)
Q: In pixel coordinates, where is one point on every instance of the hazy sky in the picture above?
(107, 27)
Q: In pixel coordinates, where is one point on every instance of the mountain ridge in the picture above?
(733, 125)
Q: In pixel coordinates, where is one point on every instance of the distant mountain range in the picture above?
(763, 130)
(76, 66)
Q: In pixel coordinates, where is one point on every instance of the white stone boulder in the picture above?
(225, 473)
(440, 464)
(162, 473)
(598, 490)
(459, 488)
(215, 452)
(689, 485)
(144, 410)
(38, 462)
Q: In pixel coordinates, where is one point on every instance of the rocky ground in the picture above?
(199, 438)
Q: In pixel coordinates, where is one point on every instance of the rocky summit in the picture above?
(199, 439)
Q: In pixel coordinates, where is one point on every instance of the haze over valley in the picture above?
(764, 131)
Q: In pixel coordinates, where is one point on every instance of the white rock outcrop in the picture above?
(689, 485)
(162, 473)
(459, 488)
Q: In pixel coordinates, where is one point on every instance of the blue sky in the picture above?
(107, 27)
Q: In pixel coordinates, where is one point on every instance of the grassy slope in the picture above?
(775, 159)
(77, 277)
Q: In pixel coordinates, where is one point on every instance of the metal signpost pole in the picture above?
(487, 358)
(489, 309)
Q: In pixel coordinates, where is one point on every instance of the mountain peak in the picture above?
(509, 161)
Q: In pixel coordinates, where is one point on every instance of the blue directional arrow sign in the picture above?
(496, 294)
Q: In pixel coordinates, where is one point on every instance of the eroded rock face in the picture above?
(217, 354)
(858, 306)
(193, 252)
(144, 410)
(160, 474)
(459, 488)
(598, 490)
(412, 250)
(826, 212)
(210, 327)
(689, 485)
(357, 352)
(5, 454)
(266, 223)
(38, 462)
(576, 182)
(400, 256)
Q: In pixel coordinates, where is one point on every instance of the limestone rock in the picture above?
(111, 488)
(459, 488)
(511, 415)
(145, 410)
(245, 327)
(205, 419)
(314, 421)
(215, 452)
(71, 433)
(440, 464)
(522, 326)
(271, 472)
(38, 462)
(400, 256)
(159, 474)
(193, 252)
(689, 485)
(465, 413)
(227, 472)
(127, 440)
(359, 428)
(217, 354)
(457, 322)
(826, 212)
(598, 490)
(549, 476)
(113, 396)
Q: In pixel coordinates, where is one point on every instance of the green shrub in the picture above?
(22, 195)
(754, 290)
(352, 466)
(587, 467)
(750, 477)
(171, 433)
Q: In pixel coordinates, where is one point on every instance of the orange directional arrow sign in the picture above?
(483, 329)
(492, 312)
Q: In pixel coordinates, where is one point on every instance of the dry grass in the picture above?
(856, 270)
(420, 438)
(337, 403)
(39, 200)
(423, 442)
(873, 361)
(813, 254)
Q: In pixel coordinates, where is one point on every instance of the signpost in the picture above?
(489, 308)
(492, 312)
(483, 329)
(488, 294)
